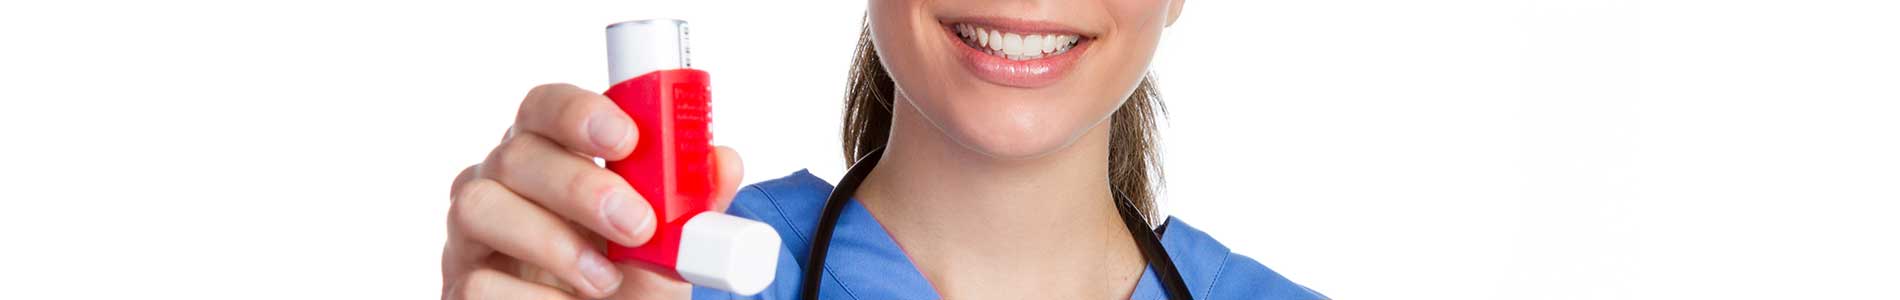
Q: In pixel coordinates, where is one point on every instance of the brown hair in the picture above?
(1134, 165)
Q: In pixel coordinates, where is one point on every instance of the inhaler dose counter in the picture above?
(672, 166)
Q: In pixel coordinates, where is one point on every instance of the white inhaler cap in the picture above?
(637, 47)
(729, 253)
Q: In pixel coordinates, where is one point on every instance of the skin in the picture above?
(992, 191)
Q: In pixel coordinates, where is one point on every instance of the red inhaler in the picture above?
(672, 164)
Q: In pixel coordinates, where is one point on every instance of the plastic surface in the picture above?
(728, 253)
(639, 47)
(672, 164)
(672, 167)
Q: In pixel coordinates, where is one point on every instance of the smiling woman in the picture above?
(1001, 149)
(1369, 149)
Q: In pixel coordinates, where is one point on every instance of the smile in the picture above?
(1015, 46)
(1016, 53)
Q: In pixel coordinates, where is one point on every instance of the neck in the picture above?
(1044, 224)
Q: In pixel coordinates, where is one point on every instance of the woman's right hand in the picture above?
(531, 221)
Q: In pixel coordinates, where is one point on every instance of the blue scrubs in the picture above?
(865, 264)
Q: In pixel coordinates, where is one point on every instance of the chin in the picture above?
(1017, 135)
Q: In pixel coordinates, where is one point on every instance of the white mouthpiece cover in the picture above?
(728, 253)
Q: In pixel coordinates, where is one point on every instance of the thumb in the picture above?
(729, 171)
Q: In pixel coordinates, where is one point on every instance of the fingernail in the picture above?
(626, 218)
(608, 131)
(599, 273)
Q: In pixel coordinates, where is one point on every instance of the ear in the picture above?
(1174, 10)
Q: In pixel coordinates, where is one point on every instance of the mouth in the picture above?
(1017, 53)
(1013, 45)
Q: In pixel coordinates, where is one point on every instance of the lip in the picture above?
(1033, 73)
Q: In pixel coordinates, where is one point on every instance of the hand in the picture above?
(531, 221)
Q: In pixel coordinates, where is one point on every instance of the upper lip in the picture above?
(1014, 25)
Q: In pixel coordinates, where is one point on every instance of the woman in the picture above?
(1009, 133)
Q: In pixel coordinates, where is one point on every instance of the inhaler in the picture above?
(672, 166)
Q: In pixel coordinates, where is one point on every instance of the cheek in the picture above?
(903, 41)
(1113, 74)
(1137, 33)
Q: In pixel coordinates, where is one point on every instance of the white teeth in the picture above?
(1032, 45)
(1048, 44)
(995, 41)
(1013, 44)
(1016, 46)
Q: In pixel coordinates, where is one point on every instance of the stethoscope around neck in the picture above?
(1145, 239)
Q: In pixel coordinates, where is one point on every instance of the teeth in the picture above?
(1048, 44)
(1032, 45)
(1016, 46)
(982, 36)
(1013, 44)
(995, 40)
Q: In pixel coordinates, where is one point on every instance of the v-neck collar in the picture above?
(866, 263)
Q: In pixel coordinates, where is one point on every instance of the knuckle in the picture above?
(543, 90)
(585, 188)
(468, 191)
(461, 179)
(472, 200)
(582, 104)
(538, 97)
(559, 251)
(509, 154)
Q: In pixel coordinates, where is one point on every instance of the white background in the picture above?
(1370, 149)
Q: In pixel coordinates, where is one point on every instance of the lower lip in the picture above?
(1034, 73)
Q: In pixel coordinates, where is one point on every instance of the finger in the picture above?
(459, 251)
(730, 171)
(492, 284)
(462, 178)
(491, 215)
(573, 187)
(578, 119)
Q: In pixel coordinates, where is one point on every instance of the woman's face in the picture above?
(1017, 79)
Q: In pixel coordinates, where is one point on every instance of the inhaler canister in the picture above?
(638, 47)
(672, 164)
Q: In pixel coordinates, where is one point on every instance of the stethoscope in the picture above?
(1147, 240)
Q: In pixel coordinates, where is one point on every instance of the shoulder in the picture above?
(791, 204)
(1213, 271)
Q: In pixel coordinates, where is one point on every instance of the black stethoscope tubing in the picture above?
(1147, 240)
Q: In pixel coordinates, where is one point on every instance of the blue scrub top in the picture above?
(866, 264)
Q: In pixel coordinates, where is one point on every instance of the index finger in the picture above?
(580, 120)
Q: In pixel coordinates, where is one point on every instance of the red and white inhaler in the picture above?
(672, 166)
